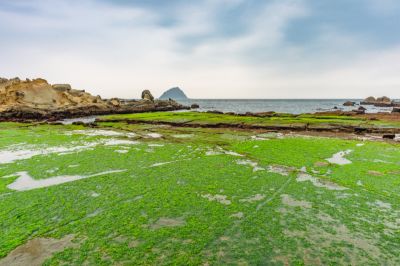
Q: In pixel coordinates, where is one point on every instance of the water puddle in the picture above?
(10, 156)
(289, 201)
(220, 151)
(183, 136)
(154, 135)
(121, 151)
(281, 169)
(100, 132)
(156, 145)
(26, 182)
(117, 142)
(16, 154)
(219, 198)
(250, 163)
(338, 158)
(36, 251)
(303, 177)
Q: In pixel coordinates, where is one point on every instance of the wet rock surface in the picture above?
(38, 100)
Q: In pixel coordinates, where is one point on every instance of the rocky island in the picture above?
(174, 93)
(39, 100)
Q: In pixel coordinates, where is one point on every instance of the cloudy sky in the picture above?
(210, 48)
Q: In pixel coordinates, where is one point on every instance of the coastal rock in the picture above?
(146, 95)
(349, 103)
(62, 87)
(38, 100)
(369, 100)
(194, 106)
(174, 93)
(383, 102)
(389, 136)
(379, 102)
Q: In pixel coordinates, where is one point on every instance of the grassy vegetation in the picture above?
(198, 196)
(277, 119)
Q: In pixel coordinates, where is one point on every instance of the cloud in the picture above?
(212, 49)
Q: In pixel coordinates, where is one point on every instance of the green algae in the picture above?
(189, 118)
(159, 211)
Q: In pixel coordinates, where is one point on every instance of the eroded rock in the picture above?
(38, 100)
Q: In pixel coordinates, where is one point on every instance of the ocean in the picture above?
(293, 106)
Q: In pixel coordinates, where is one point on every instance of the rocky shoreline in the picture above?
(27, 100)
(377, 102)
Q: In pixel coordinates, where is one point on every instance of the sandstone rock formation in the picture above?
(146, 95)
(37, 99)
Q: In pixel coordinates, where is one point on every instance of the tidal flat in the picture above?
(145, 193)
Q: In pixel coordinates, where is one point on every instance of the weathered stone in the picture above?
(195, 106)
(369, 101)
(146, 95)
(38, 100)
(62, 87)
(349, 103)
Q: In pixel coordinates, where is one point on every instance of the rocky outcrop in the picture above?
(146, 95)
(379, 102)
(349, 103)
(37, 99)
(194, 106)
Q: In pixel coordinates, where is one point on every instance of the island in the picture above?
(174, 93)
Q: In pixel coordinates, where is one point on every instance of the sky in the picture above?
(209, 48)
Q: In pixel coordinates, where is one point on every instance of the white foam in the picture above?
(26, 182)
